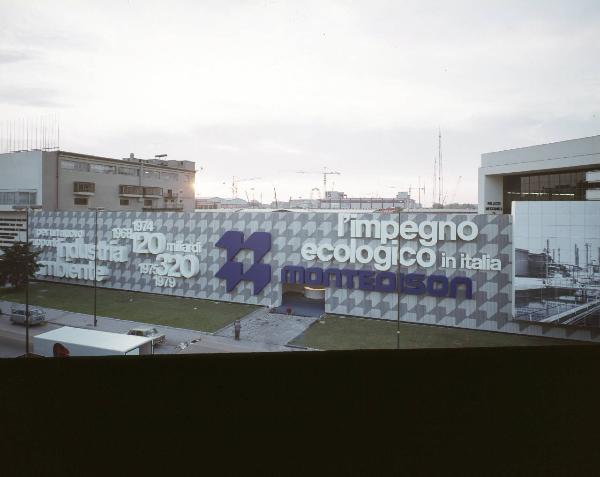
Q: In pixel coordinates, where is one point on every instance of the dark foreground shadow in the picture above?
(510, 410)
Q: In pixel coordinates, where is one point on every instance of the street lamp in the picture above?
(96, 210)
(26, 209)
(398, 291)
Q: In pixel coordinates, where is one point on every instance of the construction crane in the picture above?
(419, 189)
(325, 174)
(235, 181)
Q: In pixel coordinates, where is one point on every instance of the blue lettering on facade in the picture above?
(384, 282)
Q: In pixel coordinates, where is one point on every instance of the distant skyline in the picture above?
(268, 88)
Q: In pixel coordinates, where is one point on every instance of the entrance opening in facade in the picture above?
(302, 300)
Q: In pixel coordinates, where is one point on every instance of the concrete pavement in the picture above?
(178, 339)
(271, 328)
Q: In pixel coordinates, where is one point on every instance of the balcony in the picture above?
(171, 195)
(84, 188)
(131, 191)
(153, 192)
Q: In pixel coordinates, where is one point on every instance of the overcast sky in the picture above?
(267, 88)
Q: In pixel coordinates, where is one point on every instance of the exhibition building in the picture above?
(552, 192)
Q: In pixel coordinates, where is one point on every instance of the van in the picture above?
(36, 316)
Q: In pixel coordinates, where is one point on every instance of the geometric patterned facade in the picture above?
(489, 309)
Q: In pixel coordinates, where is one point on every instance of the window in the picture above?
(80, 201)
(131, 190)
(85, 187)
(124, 201)
(147, 202)
(75, 165)
(129, 171)
(548, 186)
(17, 198)
(153, 191)
(102, 168)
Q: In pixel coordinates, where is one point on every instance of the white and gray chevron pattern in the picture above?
(490, 308)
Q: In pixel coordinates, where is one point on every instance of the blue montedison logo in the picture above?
(233, 272)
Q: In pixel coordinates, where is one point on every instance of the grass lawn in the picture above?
(358, 333)
(194, 314)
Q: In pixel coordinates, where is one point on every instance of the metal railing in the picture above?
(131, 190)
(154, 191)
(552, 309)
(86, 187)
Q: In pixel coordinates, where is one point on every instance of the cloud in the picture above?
(31, 97)
(271, 146)
(225, 148)
(15, 56)
(265, 89)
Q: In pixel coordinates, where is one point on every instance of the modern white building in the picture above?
(560, 171)
(552, 192)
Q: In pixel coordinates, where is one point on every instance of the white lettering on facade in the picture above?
(428, 233)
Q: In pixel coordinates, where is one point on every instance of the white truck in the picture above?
(68, 341)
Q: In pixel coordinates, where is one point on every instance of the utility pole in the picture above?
(26, 209)
(96, 268)
(419, 189)
(96, 210)
(398, 293)
(27, 286)
(440, 168)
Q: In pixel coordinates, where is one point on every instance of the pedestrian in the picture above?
(237, 327)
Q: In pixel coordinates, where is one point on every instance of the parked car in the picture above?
(149, 332)
(36, 316)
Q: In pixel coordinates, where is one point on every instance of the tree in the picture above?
(17, 263)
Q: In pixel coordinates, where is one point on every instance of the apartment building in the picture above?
(67, 181)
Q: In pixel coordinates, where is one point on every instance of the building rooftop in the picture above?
(338, 211)
(188, 166)
(540, 153)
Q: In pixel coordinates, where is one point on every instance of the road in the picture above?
(12, 337)
(11, 347)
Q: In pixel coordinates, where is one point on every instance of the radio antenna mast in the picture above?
(434, 188)
(440, 169)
